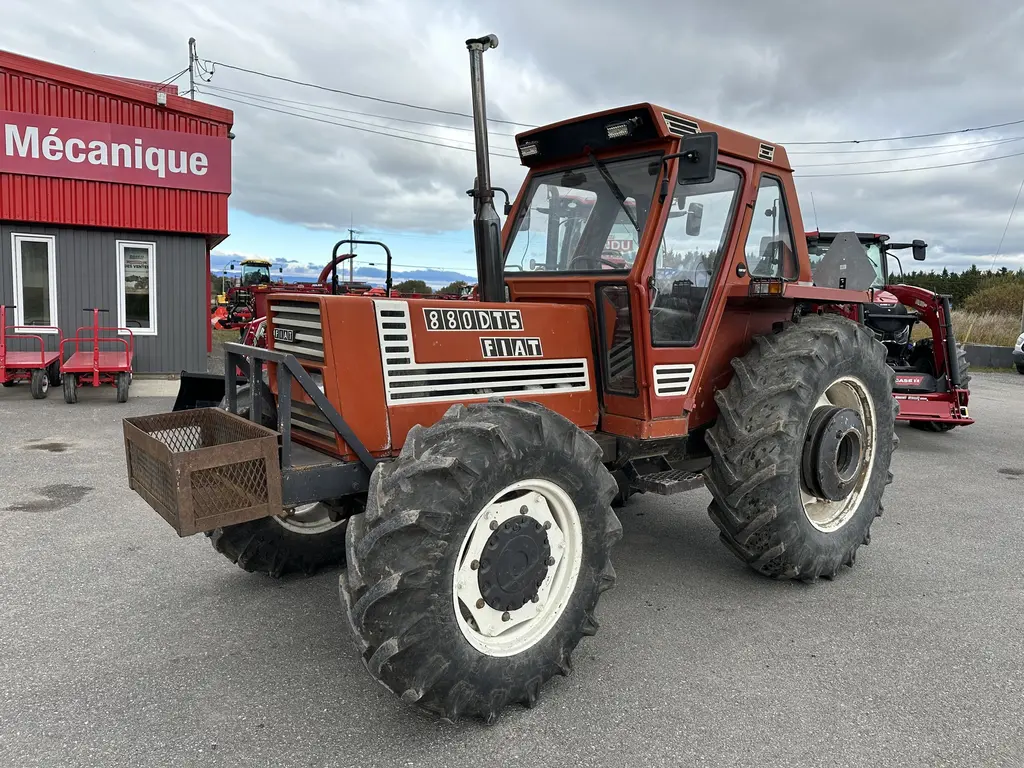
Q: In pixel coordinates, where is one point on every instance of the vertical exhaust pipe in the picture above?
(486, 225)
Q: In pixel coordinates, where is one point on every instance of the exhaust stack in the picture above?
(486, 224)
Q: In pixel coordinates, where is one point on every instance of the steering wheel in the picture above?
(601, 258)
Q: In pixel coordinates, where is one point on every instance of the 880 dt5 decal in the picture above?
(438, 319)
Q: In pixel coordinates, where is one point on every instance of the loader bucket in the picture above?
(199, 390)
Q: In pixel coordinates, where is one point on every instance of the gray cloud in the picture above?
(786, 71)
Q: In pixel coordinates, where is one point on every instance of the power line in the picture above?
(908, 157)
(1007, 227)
(362, 95)
(982, 142)
(354, 127)
(349, 120)
(904, 138)
(278, 99)
(906, 170)
(172, 78)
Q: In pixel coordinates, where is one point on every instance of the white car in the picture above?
(1018, 353)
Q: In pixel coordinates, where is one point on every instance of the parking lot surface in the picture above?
(121, 644)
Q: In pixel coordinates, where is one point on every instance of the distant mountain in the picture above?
(435, 278)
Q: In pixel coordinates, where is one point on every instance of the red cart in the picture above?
(96, 367)
(40, 368)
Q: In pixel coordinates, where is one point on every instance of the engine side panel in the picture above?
(434, 354)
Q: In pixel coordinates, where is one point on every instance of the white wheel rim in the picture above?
(308, 519)
(826, 515)
(483, 626)
(45, 382)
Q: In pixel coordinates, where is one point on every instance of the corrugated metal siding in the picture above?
(87, 277)
(102, 204)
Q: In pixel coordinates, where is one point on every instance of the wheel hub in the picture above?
(514, 563)
(833, 455)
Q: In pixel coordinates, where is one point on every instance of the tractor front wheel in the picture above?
(477, 566)
(801, 448)
(310, 539)
(965, 383)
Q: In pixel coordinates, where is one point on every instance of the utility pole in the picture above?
(351, 250)
(192, 68)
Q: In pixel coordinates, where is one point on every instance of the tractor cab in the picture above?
(255, 272)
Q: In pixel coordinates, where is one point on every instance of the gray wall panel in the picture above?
(87, 277)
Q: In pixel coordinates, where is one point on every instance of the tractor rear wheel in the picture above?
(477, 566)
(39, 384)
(310, 539)
(801, 448)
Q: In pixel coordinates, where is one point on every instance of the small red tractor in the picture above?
(932, 374)
(462, 459)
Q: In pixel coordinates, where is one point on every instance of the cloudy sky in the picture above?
(787, 71)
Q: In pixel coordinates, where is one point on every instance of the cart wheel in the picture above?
(123, 380)
(53, 373)
(39, 384)
(70, 389)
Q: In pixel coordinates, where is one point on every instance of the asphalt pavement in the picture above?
(123, 645)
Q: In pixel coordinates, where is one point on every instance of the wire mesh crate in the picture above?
(203, 468)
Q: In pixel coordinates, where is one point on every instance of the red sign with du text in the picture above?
(83, 149)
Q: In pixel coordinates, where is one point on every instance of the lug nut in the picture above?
(523, 509)
(480, 603)
(547, 525)
(475, 564)
(506, 616)
(551, 561)
(535, 599)
(494, 525)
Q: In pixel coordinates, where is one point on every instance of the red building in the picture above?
(112, 193)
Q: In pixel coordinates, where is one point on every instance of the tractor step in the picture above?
(670, 481)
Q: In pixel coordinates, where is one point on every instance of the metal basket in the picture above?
(203, 468)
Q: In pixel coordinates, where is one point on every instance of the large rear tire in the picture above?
(786, 447)
(478, 564)
(310, 540)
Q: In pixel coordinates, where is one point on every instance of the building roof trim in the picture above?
(113, 86)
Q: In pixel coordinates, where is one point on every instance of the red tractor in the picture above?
(933, 380)
(461, 459)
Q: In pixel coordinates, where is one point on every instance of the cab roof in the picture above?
(646, 122)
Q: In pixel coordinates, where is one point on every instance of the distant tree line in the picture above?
(975, 290)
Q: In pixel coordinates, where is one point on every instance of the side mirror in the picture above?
(698, 161)
(919, 247)
(694, 215)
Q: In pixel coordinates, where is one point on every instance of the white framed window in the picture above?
(35, 281)
(136, 287)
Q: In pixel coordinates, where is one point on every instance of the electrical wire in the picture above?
(905, 138)
(908, 157)
(906, 170)
(981, 142)
(172, 78)
(353, 127)
(362, 95)
(1007, 227)
(278, 99)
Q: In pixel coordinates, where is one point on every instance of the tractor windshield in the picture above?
(584, 219)
(255, 274)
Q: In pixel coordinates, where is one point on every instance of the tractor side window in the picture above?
(692, 247)
(769, 249)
